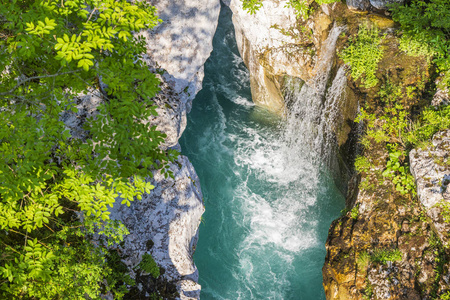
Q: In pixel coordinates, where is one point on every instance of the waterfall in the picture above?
(312, 110)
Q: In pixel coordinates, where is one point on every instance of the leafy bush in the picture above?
(252, 6)
(301, 8)
(390, 126)
(55, 186)
(363, 54)
(149, 265)
(362, 164)
(429, 122)
(320, 2)
(354, 213)
(414, 47)
(425, 26)
(399, 173)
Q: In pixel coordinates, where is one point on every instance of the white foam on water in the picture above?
(274, 182)
(239, 100)
(277, 221)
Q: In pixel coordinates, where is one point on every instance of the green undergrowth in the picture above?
(363, 54)
(426, 31)
(149, 265)
(59, 179)
(396, 123)
(381, 256)
(440, 264)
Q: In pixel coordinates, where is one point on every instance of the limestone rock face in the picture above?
(431, 170)
(165, 224)
(273, 44)
(183, 41)
(383, 4)
(365, 5)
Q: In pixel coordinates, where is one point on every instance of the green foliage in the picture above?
(415, 48)
(252, 6)
(399, 173)
(368, 292)
(301, 7)
(363, 54)
(429, 122)
(445, 210)
(362, 164)
(56, 186)
(383, 256)
(354, 212)
(426, 31)
(149, 265)
(445, 296)
(363, 260)
(320, 2)
(391, 128)
(119, 275)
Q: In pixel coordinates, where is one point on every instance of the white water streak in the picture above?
(312, 110)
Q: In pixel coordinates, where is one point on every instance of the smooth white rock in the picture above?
(260, 28)
(432, 173)
(169, 216)
(183, 41)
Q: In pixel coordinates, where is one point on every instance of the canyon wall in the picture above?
(165, 222)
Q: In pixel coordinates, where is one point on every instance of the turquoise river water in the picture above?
(268, 204)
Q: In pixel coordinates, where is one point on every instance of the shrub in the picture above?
(149, 265)
(302, 8)
(354, 213)
(363, 54)
(252, 6)
(363, 260)
(425, 26)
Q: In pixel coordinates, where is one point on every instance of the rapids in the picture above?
(267, 188)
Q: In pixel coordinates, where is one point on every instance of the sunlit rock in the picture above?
(432, 173)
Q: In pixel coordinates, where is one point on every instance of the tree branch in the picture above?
(36, 77)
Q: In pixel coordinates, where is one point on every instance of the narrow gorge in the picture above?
(225, 149)
(269, 198)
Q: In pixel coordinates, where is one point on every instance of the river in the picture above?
(269, 203)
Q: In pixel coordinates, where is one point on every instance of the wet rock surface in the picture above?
(275, 42)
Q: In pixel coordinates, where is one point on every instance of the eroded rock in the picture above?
(183, 42)
(366, 5)
(431, 169)
(165, 224)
